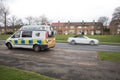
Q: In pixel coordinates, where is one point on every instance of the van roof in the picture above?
(34, 27)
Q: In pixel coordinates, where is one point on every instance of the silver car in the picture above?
(82, 40)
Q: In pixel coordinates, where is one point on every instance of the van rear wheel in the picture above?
(36, 48)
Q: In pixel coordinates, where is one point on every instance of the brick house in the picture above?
(115, 27)
(90, 28)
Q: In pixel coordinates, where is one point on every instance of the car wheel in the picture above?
(36, 48)
(92, 43)
(73, 42)
(9, 46)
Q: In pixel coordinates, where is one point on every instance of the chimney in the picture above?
(93, 22)
(58, 21)
(82, 21)
(68, 22)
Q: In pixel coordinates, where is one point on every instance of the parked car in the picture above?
(82, 40)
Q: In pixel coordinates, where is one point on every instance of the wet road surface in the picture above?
(62, 64)
(114, 48)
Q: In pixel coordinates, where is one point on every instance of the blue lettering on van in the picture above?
(23, 42)
(39, 41)
(30, 42)
(16, 41)
(27, 42)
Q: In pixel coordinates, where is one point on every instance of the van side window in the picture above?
(26, 33)
(51, 34)
(16, 35)
(37, 34)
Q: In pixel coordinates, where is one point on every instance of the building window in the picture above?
(118, 30)
(98, 27)
(85, 32)
(54, 27)
(72, 27)
(92, 32)
(71, 31)
(85, 27)
(3, 30)
(60, 27)
(66, 27)
(66, 32)
(55, 32)
(79, 27)
(118, 25)
(80, 32)
(92, 27)
(15, 29)
(98, 32)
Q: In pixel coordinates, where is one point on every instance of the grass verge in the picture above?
(104, 39)
(109, 56)
(4, 36)
(7, 73)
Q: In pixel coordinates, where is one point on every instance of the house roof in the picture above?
(58, 24)
(62, 24)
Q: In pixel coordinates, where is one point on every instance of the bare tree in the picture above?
(14, 21)
(19, 22)
(103, 20)
(43, 20)
(30, 20)
(116, 14)
(37, 20)
(1, 13)
(4, 12)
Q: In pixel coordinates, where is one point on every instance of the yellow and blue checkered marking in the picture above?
(28, 42)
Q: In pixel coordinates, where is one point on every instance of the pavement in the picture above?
(2, 42)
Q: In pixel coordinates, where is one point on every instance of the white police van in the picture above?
(37, 37)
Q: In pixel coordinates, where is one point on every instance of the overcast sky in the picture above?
(64, 10)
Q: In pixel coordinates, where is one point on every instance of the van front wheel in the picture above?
(9, 46)
(36, 48)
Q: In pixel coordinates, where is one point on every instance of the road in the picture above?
(61, 63)
(2, 42)
(64, 62)
(114, 48)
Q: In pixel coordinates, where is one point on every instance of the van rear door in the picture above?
(40, 36)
